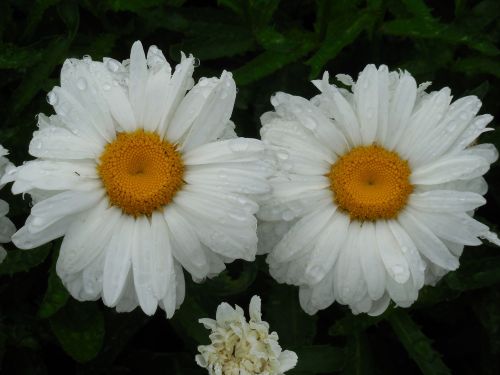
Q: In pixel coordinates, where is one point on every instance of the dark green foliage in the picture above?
(269, 45)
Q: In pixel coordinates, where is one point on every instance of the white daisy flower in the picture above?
(239, 347)
(7, 228)
(142, 179)
(375, 189)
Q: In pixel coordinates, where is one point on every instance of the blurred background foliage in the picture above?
(269, 45)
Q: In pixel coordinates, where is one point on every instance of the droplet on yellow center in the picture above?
(370, 183)
(140, 172)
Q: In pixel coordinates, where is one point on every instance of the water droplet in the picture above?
(81, 83)
(87, 58)
(287, 215)
(196, 62)
(113, 65)
(238, 145)
(399, 273)
(52, 98)
(282, 154)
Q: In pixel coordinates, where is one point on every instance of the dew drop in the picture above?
(81, 83)
(282, 154)
(113, 65)
(52, 98)
(238, 145)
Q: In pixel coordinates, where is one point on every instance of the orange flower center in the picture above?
(370, 183)
(140, 172)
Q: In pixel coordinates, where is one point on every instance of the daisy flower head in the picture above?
(7, 228)
(142, 174)
(241, 347)
(375, 189)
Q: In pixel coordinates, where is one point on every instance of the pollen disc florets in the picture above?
(141, 172)
(370, 182)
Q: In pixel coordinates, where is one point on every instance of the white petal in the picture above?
(138, 77)
(87, 236)
(428, 243)
(446, 201)
(366, 97)
(383, 104)
(7, 229)
(156, 96)
(288, 360)
(24, 239)
(118, 261)
(143, 250)
(52, 175)
(221, 226)
(457, 167)
(120, 107)
(179, 84)
(457, 227)
(350, 286)
(57, 142)
(302, 235)
(311, 118)
(371, 263)
(423, 121)
(471, 133)
(225, 151)
(214, 112)
(343, 112)
(400, 109)
(186, 246)
(83, 80)
(410, 252)
(390, 253)
(75, 117)
(327, 248)
(163, 273)
(64, 204)
(379, 306)
(437, 141)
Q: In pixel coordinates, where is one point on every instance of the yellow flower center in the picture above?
(141, 172)
(370, 183)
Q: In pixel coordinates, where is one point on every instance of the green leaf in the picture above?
(420, 28)
(358, 360)
(261, 12)
(353, 324)
(79, 327)
(475, 274)
(418, 8)
(301, 43)
(137, 5)
(237, 6)
(23, 260)
(418, 346)
(322, 359)
(69, 13)
(475, 65)
(35, 15)
(15, 57)
(340, 33)
(56, 294)
(185, 322)
(220, 40)
(55, 53)
(297, 328)
(225, 285)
